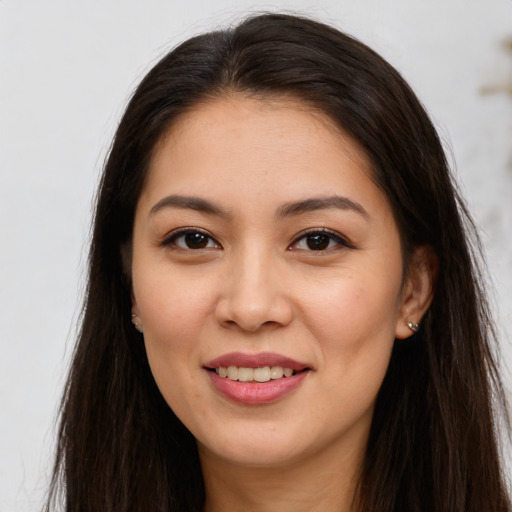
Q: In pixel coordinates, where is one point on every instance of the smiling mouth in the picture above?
(260, 374)
(256, 379)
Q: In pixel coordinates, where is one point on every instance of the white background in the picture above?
(66, 70)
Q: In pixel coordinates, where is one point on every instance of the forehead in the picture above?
(256, 153)
(277, 132)
(272, 114)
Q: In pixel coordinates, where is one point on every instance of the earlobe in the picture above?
(417, 291)
(136, 320)
(414, 327)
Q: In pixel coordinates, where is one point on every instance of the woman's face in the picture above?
(261, 246)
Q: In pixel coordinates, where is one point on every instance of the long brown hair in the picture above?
(433, 443)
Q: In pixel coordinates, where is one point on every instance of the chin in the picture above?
(259, 446)
(253, 456)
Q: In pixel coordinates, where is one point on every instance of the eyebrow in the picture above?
(189, 202)
(287, 210)
(320, 203)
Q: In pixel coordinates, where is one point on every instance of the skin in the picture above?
(257, 286)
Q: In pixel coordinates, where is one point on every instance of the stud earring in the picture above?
(136, 322)
(414, 327)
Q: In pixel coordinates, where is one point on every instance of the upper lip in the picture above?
(258, 360)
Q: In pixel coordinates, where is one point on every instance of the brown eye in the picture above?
(318, 242)
(191, 239)
(321, 240)
(195, 240)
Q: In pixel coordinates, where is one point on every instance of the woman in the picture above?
(283, 309)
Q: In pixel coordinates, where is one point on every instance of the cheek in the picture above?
(174, 315)
(173, 307)
(354, 320)
(353, 309)
(354, 327)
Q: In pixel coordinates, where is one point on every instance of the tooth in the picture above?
(276, 372)
(262, 374)
(245, 374)
(233, 372)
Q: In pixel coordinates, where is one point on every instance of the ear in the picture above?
(417, 290)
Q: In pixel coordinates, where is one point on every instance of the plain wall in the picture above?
(66, 70)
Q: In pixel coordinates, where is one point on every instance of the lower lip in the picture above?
(257, 393)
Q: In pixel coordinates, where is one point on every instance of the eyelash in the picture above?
(175, 235)
(332, 237)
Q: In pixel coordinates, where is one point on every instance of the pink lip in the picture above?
(256, 393)
(243, 360)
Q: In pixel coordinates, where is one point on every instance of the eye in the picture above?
(320, 240)
(191, 239)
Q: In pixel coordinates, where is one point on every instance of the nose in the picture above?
(252, 295)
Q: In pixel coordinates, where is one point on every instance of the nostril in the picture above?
(252, 311)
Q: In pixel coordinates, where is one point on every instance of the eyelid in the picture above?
(335, 235)
(176, 233)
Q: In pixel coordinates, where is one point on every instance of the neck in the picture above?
(324, 483)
